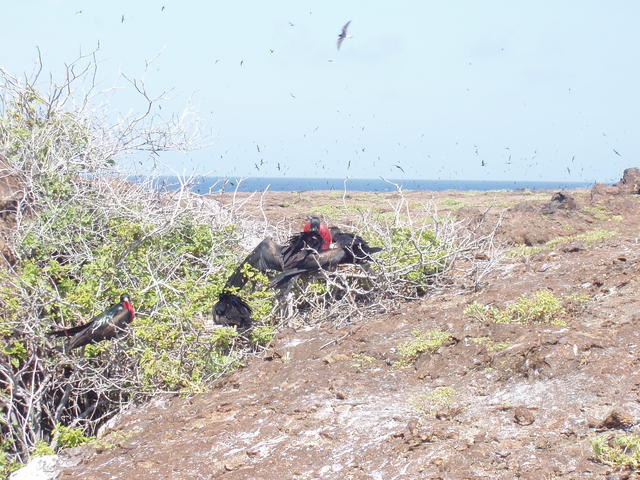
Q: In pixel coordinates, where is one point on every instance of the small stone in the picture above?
(523, 416)
(617, 418)
(235, 462)
(335, 357)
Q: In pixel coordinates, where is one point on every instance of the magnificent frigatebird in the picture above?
(349, 248)
(314, 224)
(109, 324)
(354, 244)
(233, 310)
(268, 255)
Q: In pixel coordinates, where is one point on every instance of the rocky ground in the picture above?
(496, 401)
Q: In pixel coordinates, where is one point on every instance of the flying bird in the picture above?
(109, 324)
(343, 34)
(616, 152)
(399, 168)
(122, 19)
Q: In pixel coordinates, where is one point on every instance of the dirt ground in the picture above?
(498, 401)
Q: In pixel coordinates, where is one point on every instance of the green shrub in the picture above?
(424, 342)
(67, 437)
(621, 451)
(542, 307)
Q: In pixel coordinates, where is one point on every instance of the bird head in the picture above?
(314, 223)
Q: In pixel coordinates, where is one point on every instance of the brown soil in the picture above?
(334, 404)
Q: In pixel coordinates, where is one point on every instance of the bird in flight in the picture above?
(343, 34)
(616, 152)
(122, 19)
(399, 167)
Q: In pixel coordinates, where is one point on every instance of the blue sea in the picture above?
(250, 184)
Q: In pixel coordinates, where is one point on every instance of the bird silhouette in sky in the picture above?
(399, 168)
(122, 19)
(343, 34)
(616, 152)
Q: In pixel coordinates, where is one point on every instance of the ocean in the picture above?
(250, 184)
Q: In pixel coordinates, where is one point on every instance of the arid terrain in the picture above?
(498, 400)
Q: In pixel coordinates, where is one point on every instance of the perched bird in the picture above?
(343, 34)
(314, 224)
(232, 310)
(353, 244)
(109, 324)
(300, 246)
(349, 248)
(268, 255)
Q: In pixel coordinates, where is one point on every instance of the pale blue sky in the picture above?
(435, 87)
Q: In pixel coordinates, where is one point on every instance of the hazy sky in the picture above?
(437, 88)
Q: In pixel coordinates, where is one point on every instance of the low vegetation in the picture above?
(619, 451)
(424, 342)
(586, 238)
(440, 403)
(542, 306)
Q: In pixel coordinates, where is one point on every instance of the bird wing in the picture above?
(266, 256)
(311, 263)
(68, 332)
(299, 246)
(344, 29)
